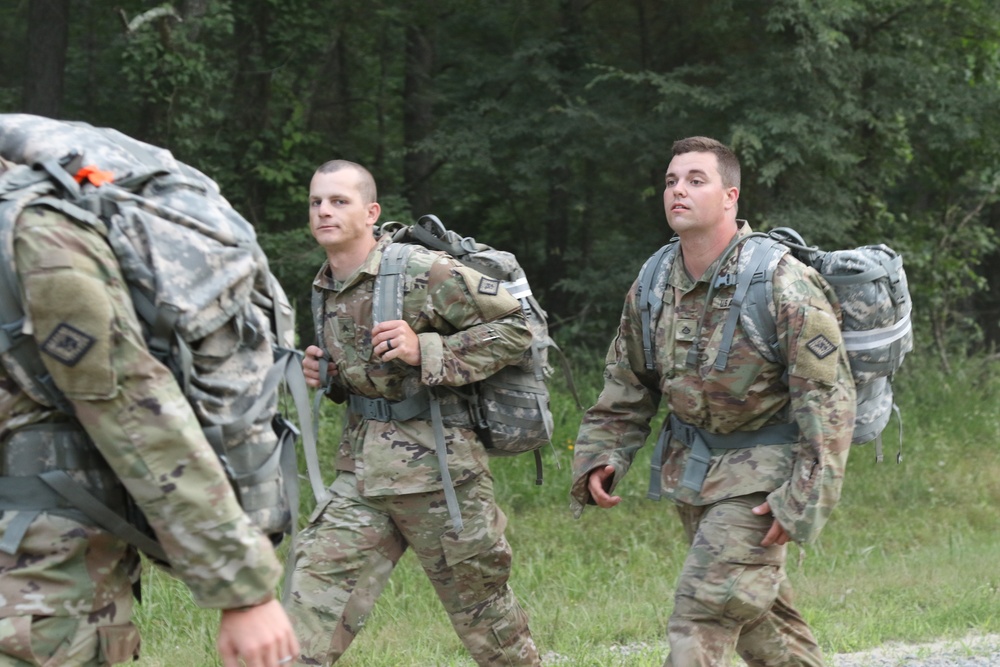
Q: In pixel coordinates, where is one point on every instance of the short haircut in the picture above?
(729, 164)
(366, 182)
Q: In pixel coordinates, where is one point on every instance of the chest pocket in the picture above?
(746, 369)
(350, 343)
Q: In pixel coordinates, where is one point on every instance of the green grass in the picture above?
(909, 554)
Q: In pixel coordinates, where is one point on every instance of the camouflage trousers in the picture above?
(104, 637)
(733, 594)
(346, 554)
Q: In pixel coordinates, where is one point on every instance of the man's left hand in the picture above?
(396, 340)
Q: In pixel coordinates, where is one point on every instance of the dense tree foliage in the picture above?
(544, 126)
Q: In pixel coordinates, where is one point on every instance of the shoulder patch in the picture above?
(67, 344)
(490, 286)
(821, 346)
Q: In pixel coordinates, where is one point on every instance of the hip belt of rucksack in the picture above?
(55, 468)
(701, 442)
(423, 405)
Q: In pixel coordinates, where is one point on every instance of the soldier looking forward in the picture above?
(752, 455)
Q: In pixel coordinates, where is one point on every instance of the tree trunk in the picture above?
(568, 61)
(418, 118)
(48, 39)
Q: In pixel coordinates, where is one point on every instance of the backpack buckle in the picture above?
(378, 409)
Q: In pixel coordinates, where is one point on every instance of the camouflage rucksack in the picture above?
(510, 408)
(211, 310)
(869, 282)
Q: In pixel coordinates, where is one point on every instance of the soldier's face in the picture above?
(694, 196)
(339, 217)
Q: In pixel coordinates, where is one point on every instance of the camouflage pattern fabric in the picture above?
(801, 480)
(465, 335)
(81, 315)
(346, 554)
(388, 495)
(105, 637)
(733, 594)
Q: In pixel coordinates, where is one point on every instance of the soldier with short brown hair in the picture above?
(753, 451)
(389, 494)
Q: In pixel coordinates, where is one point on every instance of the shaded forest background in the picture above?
(544, 126)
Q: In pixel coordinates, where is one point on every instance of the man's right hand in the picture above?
(310, 366)
(599, 484)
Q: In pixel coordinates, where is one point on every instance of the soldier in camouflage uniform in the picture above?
(456, 328)
(66, 588)
(747, 502)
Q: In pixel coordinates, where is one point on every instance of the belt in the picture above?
(702, 442)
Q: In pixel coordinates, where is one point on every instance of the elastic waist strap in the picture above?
(702, 442)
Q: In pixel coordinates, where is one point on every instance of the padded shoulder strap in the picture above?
(649, 304)
(387, 302)
(751, 299)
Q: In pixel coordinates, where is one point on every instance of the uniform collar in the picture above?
(680, 278)
(369, 268)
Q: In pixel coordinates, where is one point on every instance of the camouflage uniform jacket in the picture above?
(466, 334)
(134, 411)
(803, 478)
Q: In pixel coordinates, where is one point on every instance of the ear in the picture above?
(374, 211)
(732, 196)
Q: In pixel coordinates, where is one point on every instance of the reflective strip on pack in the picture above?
(519, 288)
(875, 338)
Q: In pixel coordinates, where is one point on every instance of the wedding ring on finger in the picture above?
(388, 344)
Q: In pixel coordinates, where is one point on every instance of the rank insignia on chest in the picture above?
(685, 329)
(67, 344)
(821, 346)
(489, 286)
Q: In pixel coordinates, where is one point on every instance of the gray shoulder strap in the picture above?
(650, 304)
(387, 301)
(752, 298)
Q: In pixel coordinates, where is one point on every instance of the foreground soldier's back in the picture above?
(65, 585)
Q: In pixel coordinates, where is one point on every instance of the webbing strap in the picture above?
(695, 351)
(28, 497)
(450, 499)
(295, 381)
(290, 473)
(383, 410)
(702, 442)
(756, 270)
(101, 514)
(312, 455)
(656, 463)
(16, 530)
(387, 301)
